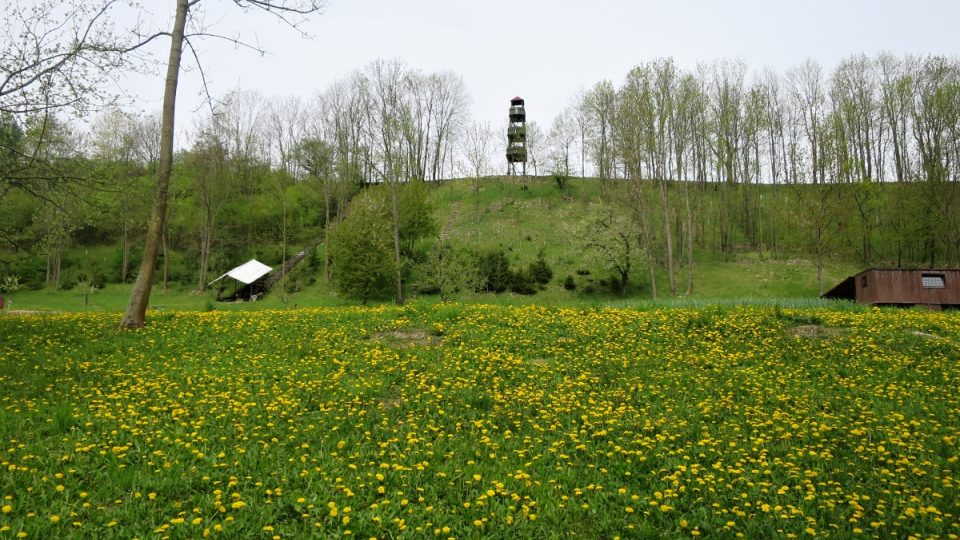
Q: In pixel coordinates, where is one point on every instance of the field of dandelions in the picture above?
(482, 422)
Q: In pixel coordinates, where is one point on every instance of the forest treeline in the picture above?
(859, 163)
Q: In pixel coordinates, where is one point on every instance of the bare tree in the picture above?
(58, 54)
(896, 96)
(936, 116)
(315, 157)
(726, 91)
(581, 116)
(449, 113)
(286, 128)
(119, 142)
(809, 96)
(600, 106)
(687, 111)
(212, 186)
(477, 144)
(560, 140)
(536, 143)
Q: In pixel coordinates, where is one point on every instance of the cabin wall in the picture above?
(905, 287)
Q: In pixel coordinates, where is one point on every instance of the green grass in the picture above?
(747, 280)
(473, 421)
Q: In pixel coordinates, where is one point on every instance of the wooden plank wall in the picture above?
(905, 287)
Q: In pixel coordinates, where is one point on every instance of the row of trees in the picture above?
(58, 55)
(252, 154)
(827, 138)
(265, 170)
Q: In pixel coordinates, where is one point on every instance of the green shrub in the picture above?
(521, 282)
(540, 272)
(494, 271)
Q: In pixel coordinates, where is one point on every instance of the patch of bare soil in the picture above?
(414, 337)
(815, 331)
(931, 337)
(391, 402)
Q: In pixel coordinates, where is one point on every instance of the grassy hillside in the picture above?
(522, 218)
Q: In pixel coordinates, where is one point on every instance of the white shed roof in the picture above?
(247, 272)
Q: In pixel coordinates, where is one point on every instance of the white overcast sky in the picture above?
(543, 50)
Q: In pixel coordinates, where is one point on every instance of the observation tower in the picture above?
(517, 138)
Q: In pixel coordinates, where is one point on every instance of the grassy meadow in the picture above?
(480, 421)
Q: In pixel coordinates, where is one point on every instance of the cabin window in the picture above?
(932, 281)
(863, 282)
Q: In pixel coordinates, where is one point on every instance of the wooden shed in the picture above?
(936, 289)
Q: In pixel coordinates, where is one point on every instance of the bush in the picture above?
(540, 272)
(494, 269)
(561, 179)
(446, 271)
(522, 283)
(569, 284)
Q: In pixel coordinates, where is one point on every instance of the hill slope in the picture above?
(524, 218)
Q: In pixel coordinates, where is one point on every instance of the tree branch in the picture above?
(203, 76)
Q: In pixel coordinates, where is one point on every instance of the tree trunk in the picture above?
(206, 244)
(820, 272)
(686, 196)
(326, 235)
(124, 265)
(283, 241)
(166, 261)
(653, 279)
(395, 210)
(57, 263)
(820, 260)
(667, 235)
(136, 312)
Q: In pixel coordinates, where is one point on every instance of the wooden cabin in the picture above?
(935, 289)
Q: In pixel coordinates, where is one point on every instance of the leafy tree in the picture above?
(449, 271)
(612, 240)
(361, 249)
(362, 245)
(86, 288)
